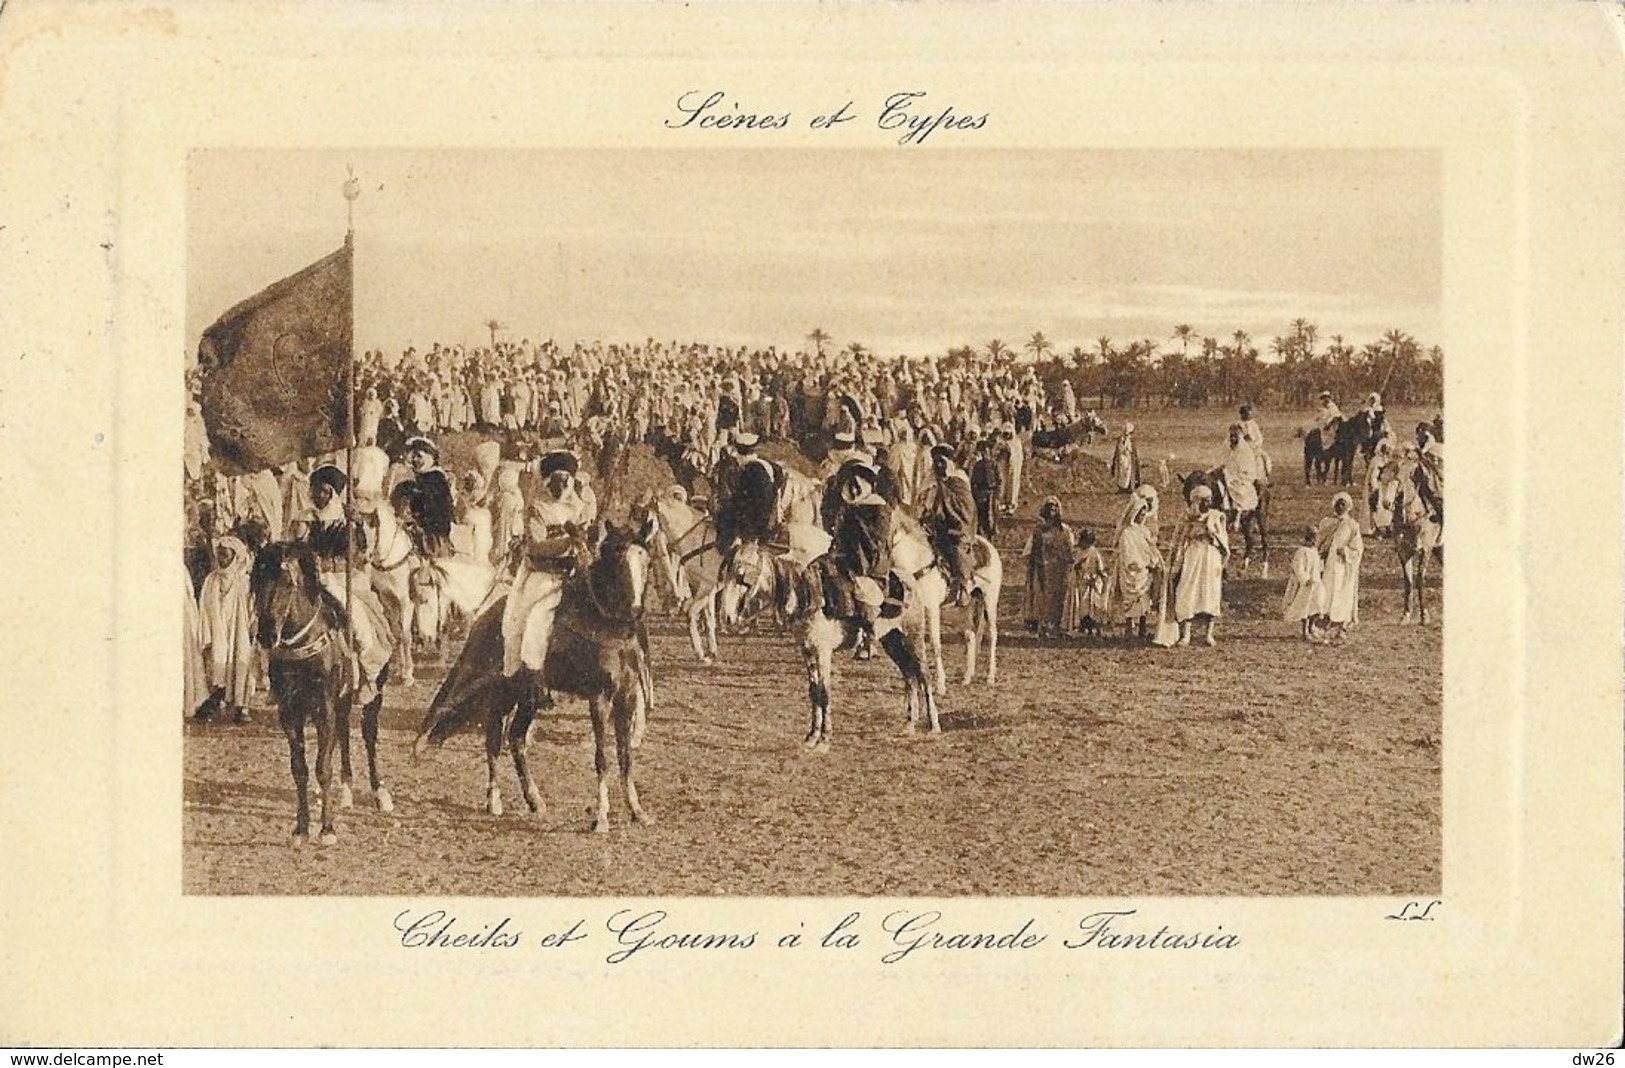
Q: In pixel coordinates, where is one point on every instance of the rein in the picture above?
(288, 648)
(629, 621)
(704, 548)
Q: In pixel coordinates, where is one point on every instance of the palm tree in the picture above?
(493, 326)
(1038, 345)
(818, 337)
(1184, 332)
(997, 348)
(1304, 332)
(855, 349)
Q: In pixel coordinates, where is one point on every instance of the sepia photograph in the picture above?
(811, 526)
(798, 522)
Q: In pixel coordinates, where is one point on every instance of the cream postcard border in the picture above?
(99, 107)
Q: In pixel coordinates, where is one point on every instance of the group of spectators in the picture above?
(949, 440)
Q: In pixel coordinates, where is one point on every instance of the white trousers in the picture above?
(527, 618)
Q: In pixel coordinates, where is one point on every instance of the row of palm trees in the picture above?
(1206, 370)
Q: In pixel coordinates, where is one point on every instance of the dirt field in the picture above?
(1263, 766)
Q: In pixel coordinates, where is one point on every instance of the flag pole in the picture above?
(352, 190)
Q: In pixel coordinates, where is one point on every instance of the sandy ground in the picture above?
(1262, 766)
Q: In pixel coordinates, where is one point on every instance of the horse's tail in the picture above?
(474, 687)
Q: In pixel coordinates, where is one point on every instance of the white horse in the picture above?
(915, 562)
(393, 559)
(418, 594)
(685, 551)
(757, 573)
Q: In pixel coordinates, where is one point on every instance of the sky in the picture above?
(904, 250)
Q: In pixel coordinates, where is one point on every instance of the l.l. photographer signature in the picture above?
(1414, 910)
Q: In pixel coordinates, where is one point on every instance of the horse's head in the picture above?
(284, 589)
(618, 577)
(747, 574)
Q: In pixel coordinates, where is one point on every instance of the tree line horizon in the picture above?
(1195, 370)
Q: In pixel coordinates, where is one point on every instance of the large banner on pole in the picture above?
(275, 369)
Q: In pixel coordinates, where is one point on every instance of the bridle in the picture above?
(288, 648)
(380, 555)
(603, 611)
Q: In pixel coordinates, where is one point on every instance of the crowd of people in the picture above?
(948, 442)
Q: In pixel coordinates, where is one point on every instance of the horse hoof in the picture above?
(642, 818)
(493, 803)
(329, 838)
(386, 802)
(299, 840)
(600, 826)
(346, 797)
(822, 746)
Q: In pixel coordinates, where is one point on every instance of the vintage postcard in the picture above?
(842, 505)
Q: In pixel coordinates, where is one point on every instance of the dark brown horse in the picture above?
(1332, 452)
(305, 634)
(598, 650)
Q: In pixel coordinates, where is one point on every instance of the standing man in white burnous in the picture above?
(555, 544)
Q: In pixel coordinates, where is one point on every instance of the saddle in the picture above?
(838, 594)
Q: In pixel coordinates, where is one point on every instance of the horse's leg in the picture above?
(494, 727)
(519, 741)
(818, 660)
(341, 729)
(369, 736)
(973, 636)
(1407, 574)
(905, 655)
(990, 612)
(1261, 514)
(933, 639)
(696, 609)
(600, 823)
(293, 727)
(403, 620)
(711, 624)
(1422, 585)
(326, 724)
(626, 706)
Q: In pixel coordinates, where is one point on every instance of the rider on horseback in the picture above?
(1429, 474)
(554, 545)
(948, 513)
(430, 501)
(332, 535)
(749, 509)
(861, 551)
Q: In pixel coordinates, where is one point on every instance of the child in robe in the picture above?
(1304, 600)
(1091, 588)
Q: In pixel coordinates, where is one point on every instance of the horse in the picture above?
(1060, 439)
(304, 632)
(598, 650)
(795, 592)
(392, 561)
(1349, 435)
(417, 593)
(1417, 533)
(1244, 522)
(685, 554)
(915, 559)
